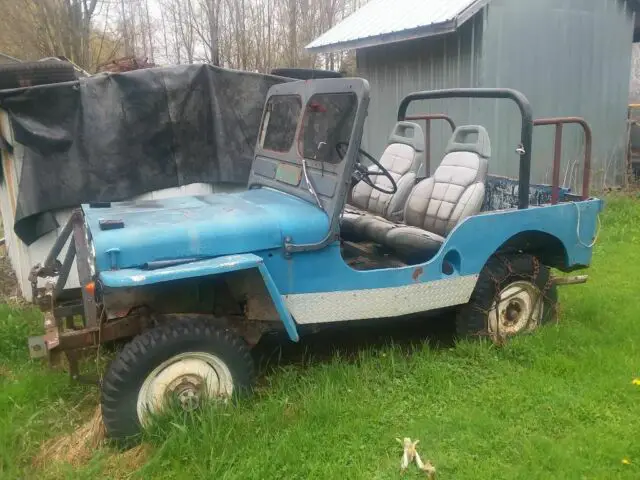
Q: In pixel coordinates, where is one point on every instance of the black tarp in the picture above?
(113, 136)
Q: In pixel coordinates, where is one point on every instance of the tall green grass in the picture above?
(559, 404)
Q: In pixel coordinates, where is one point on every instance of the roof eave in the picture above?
(470, 11)
(420, 32)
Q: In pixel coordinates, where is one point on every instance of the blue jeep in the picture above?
(324, 233)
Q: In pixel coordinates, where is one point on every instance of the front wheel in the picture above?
(514, 295)
(184, 362)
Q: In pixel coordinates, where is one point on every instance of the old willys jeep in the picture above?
(324, 233)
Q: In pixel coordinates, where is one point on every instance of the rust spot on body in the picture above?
(417, 273)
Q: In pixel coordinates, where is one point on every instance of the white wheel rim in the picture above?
(190, 378)
(519, 308)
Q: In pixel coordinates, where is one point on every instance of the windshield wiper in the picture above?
(312, 190)
(307, 179)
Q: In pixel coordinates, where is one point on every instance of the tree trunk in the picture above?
(293, 38)
(125, 32)
(149, 31)
(269, 65)
(214, 8)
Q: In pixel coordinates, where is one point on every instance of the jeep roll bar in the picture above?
(526, 135)
(558, 122)
(428, 118)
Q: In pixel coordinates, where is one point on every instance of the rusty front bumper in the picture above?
(57, 340)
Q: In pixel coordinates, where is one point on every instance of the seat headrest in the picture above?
(408, 133)
(470, 138)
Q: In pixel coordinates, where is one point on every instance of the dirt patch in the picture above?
(75, 448)
(78, 447)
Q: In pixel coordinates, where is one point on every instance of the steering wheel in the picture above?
(362, 173)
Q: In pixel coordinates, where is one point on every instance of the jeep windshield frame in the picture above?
(330, 111)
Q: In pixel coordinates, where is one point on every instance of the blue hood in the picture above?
(202, 226)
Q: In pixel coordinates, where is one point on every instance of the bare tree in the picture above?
(128, 48)
(165, 36)
(293, 32)
(149, 30)
(212, 9)
(255, 35)
(39, 28)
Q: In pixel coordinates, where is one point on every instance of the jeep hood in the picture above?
(201, 227)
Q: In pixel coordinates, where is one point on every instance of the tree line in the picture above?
(254, 35)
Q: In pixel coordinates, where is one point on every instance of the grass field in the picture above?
(560, 404)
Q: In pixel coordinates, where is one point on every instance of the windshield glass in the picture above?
(280, 122)
(328, 121)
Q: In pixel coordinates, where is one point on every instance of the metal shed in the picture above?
(569, 58)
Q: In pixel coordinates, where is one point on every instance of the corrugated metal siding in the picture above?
(569, 57)
(396, 70)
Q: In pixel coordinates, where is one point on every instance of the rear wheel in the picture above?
(184, 363)
(514, 295)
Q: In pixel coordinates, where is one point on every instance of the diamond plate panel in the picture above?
(330, 307)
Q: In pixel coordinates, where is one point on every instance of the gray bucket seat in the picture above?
(402, 157)
(438, 203)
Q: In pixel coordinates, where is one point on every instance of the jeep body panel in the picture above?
(201, 227)
(135, 277)
(319, 287)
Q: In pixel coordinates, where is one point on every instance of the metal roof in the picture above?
(386, 21)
